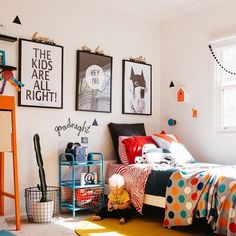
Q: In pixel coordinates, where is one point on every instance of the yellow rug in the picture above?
(138, 225)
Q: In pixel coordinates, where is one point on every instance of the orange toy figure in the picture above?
(194, 113)
(118, 205)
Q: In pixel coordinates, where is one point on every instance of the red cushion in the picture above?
(134, 145)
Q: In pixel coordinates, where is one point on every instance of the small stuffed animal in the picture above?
(146, 148)
(140, 160)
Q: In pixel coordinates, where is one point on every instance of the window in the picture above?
(225, 84)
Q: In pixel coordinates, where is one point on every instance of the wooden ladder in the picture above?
(8, 144)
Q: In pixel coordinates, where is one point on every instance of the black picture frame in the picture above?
(136, 88)
(41, 72)
(93, 82)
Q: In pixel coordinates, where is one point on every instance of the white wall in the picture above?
(72, 24)
(186, 60)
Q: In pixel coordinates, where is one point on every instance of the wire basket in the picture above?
(84, 197)
(66, 194)
(88, 197)
(38, 212)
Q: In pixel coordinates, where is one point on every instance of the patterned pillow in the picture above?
(172, 144)
(133, 146)
(121, 150)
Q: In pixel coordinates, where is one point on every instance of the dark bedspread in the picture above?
(155, 187)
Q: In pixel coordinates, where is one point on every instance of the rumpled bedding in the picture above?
(202, 190)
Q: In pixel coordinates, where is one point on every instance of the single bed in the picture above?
(154, 193)
(187, 190)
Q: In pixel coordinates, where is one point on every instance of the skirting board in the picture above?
(148, 199)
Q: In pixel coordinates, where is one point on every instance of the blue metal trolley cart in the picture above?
(86, 193)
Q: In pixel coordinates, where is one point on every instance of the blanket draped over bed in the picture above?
(135, 180)
(202, 190)
(193, 191)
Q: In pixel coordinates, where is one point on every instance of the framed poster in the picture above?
(94, 82)
(41, 70)
(137, 88)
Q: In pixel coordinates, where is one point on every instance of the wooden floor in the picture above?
(65, 225)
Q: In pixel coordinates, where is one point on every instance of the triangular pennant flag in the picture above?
(95, 123)
(172, 84)
(17, 20)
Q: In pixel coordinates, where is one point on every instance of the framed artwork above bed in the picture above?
(94, 82)
(137, 88)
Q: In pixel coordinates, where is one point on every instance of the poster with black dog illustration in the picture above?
(137, 88)
(94, 80)
(41, 70)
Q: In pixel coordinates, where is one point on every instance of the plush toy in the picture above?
(146, 148)
(154, 155)
(140, 160)
(149, 148)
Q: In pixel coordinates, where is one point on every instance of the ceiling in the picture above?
(158, 9)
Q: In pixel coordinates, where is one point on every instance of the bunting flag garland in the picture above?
(218, 62)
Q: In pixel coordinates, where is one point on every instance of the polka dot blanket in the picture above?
(202, 190)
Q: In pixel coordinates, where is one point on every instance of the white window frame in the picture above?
(217, 47)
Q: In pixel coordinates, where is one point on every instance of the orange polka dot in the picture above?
(175, 191)
(233, 189)
(223, 222)
(221, 179)
(226, 205)
(176, 176)
(201, 204)
(206, 177)
(178, 221)
(176, 206)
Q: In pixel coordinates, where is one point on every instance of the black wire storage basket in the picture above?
(42, 212)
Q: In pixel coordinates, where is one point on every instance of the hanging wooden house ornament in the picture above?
(181, 95)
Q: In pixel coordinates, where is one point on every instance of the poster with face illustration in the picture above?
(137, 88)
(94, 80)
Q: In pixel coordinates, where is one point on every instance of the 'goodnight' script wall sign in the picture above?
(80, 128)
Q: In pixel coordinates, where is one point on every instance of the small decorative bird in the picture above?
(98, 51)
(86, 49)
(42, 39)
(139, 59)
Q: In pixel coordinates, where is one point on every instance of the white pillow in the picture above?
(172, 144)
(156, 157)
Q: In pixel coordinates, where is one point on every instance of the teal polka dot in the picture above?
(222, 188)
(211, 180)
(183, 172)
(234, 198)
(204, 212)
(217, 203)
(206, 197)
(181, 198)
(181, 183)
(183, 214)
